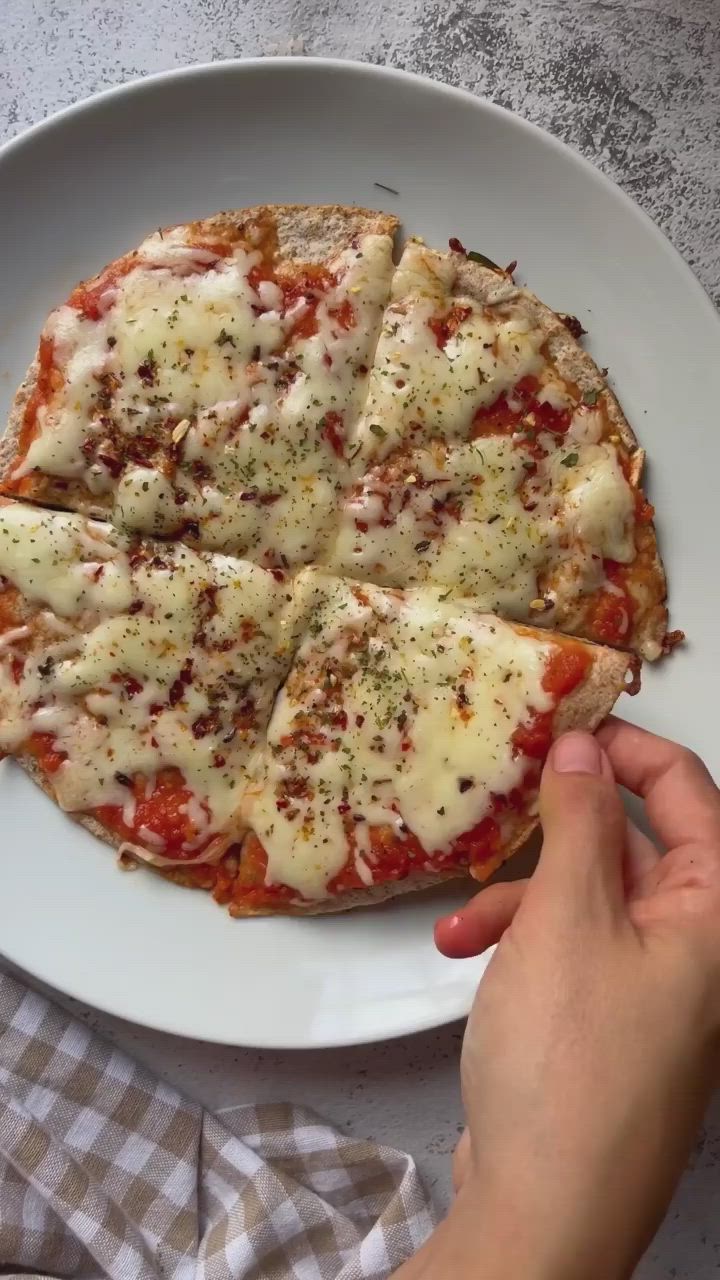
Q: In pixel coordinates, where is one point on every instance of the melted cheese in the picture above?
(596, 500)
(404, 660)
(167, 659)
(53, 559)
(471, 519)
(189, 356)
(419, 391)
(486, 545)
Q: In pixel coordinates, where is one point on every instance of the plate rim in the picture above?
(456, 1005)
(370, 70)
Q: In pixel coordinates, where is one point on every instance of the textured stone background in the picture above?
(635, 86)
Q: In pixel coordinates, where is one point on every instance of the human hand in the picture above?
(592, 1045)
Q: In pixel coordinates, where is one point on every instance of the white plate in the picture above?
(88, 184)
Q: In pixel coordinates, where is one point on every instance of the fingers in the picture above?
(641, 857)
(584, 827)
(681, 799)
(481, 922)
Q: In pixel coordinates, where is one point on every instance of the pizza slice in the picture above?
(203, 386)
(406, 746)
(493, 459)
(136, 680)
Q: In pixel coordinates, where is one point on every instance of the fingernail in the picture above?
(576, 753)
(452, 922)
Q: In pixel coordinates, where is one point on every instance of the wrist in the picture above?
(479, 1242)
(490, 1236)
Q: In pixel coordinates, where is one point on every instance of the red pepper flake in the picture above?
(147, 370)
(333, 431)
(177, 688)
(110, 459)
(130, 685)
(206, 724)
(462, 698)
(573, 325)
(445, 327)
(457, 246)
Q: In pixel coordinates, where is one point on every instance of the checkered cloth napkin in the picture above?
(107, 1172)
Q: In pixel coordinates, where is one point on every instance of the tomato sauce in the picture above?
(87, 296)
(42, 747)
(161, 810)
(9, 612)
(223, 248)
(393, 857)
(248, 884)
(565, 669)
(343, 314)
(262, 271)
(612, 612)
(532, 416)
(48, 380)
(333, 432)
(644, 510)
(307, 284)
(445, 327)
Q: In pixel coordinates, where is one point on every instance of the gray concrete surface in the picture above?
(635, 86)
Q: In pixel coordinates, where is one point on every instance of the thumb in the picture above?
(584, 826)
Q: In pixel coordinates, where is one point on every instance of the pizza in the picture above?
(306, 558)
(201, 386)
(406, 745)
(493, 458)
(136, 678)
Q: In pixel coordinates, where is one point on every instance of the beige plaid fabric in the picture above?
(107, 1172)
